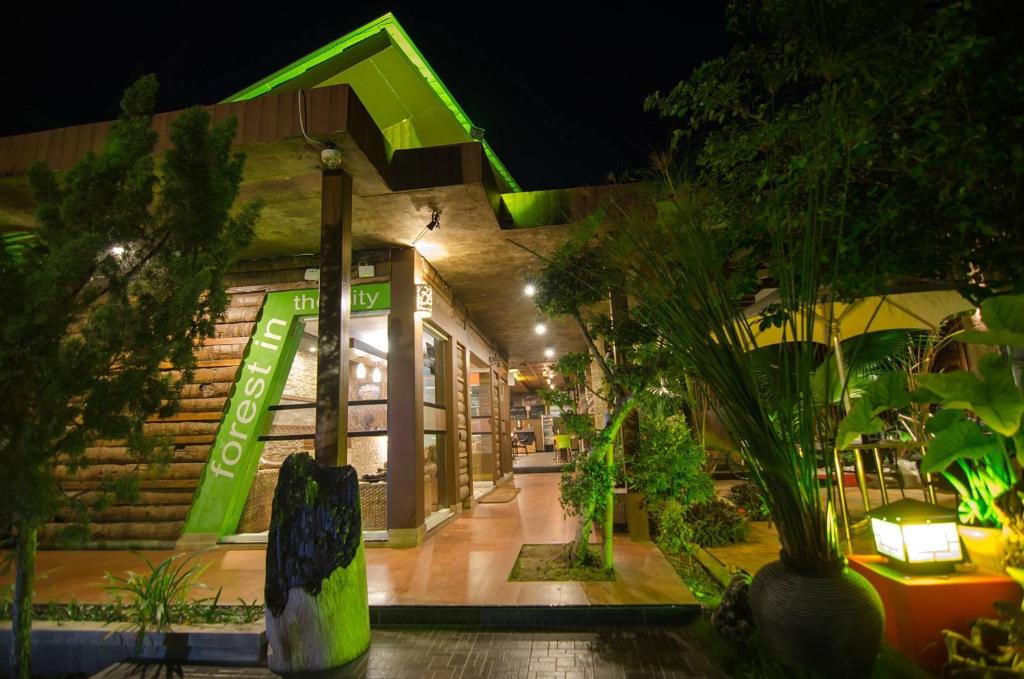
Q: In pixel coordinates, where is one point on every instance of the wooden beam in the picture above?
(335, 299)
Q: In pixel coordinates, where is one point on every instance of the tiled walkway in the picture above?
(536, 461)
(667, 653)
(464, 562)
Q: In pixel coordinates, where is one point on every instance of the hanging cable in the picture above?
(302, 124)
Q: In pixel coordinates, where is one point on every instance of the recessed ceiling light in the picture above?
(530, 290)
(540, 328)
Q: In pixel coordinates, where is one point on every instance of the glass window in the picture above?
(293, 419)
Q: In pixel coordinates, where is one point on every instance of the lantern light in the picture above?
(375, 376)
(917, 537)
(360, 371)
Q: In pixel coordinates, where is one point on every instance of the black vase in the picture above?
(818, 626)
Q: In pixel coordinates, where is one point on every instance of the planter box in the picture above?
(918, 608)
(88, 647)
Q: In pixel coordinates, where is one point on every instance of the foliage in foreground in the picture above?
(123, 277)
(925, 97)
(995, 647)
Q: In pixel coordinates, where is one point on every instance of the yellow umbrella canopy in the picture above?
(836, 321)
(842, 320)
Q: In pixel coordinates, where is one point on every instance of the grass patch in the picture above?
(550, 563)
(707, 590)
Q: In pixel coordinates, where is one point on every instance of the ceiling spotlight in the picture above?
(549, 352)
(530, 290)
(540, 328)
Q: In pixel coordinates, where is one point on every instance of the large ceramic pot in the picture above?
(986, 547)
(818, 625)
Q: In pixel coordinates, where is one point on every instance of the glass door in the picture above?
(435, 422)
(482, 432)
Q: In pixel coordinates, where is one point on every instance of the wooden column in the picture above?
(335, 299)
(451, 442)
(467, 428)
(405, 403)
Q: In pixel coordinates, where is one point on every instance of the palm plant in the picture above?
(156, 597)
(680, 266)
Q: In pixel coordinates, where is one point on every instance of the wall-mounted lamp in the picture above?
(375, 376)
(530, 290)
(424, 300)
(360, 371)
(434, 223)
(540, 329)
(549, 353)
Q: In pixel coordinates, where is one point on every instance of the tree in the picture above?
(928, 164)
(575, 282)
(124, 274)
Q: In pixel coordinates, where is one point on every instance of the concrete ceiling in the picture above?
(474, 255)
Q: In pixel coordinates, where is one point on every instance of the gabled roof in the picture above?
(402, 93)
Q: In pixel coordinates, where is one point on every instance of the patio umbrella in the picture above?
(836, 321)
(833, 322)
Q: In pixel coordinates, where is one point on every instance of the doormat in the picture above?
(501, 494)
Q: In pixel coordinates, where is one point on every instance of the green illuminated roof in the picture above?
(392, 79)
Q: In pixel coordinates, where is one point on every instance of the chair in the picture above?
(518, 447)
(563, 443)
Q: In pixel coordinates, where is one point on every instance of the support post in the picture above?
(335, 299)
(405, 404)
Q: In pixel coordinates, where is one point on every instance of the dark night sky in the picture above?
(559, 88)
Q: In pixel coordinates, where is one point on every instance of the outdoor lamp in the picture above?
(918, 537)
(424, 300)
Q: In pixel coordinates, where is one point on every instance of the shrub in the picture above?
(747, 496)
(155, 600)
(670, 464)
(674, 534)
(715, 523)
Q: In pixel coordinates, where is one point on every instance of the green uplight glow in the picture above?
(404, 44)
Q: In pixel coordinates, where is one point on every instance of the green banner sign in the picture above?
(234, 458)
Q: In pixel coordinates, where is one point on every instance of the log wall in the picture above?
(157, 518)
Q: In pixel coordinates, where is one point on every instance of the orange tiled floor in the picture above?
(465, 562)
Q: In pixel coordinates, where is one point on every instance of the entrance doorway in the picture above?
(483, 410)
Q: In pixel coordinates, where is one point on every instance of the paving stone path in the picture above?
(423, 653)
